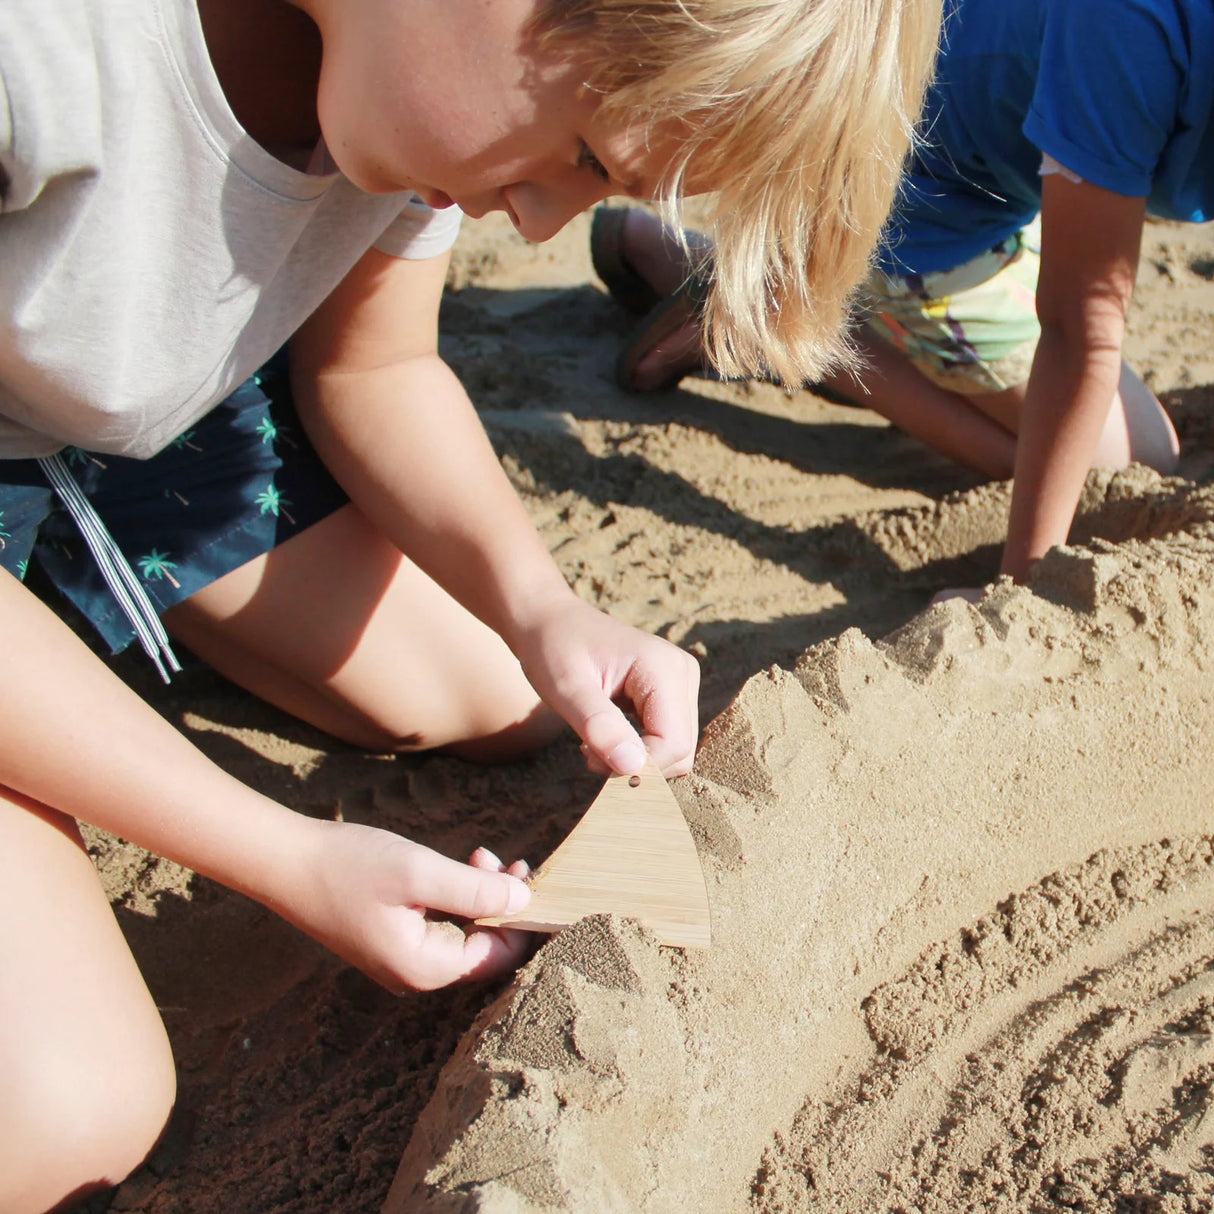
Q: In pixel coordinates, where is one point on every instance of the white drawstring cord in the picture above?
(119, 576)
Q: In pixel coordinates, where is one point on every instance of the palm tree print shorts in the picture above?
(243, 481)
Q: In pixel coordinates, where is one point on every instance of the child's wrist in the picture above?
(534, 612)
(273, 857)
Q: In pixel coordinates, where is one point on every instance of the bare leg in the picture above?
(653, 251)
(336, 627)
(88, 1074)
(980, 431)
(950, 423)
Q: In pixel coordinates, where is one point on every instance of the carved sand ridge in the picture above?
(935, 984)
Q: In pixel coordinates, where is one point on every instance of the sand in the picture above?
(960, 859)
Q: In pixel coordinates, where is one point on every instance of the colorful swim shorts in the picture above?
(243, 481)
(973, 329)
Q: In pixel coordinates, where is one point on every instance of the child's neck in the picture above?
(266, 54)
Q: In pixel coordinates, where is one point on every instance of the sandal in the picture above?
(626, 286)
(665, 318)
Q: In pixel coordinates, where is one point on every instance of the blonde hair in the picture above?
(800, 114)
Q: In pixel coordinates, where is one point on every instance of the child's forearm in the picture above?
(1070, 392)
(75, 738)
(395, 426)
(1089, 252)
(407, 444)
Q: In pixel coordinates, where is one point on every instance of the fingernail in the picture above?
(628, 756)
(520, 895)
(488, 855)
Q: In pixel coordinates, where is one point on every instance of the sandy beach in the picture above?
(960, 859)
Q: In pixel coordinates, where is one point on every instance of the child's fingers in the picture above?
(594, 763)
(670, 760)
(671, 732)
(429, 879)
(484, 859)
(669, 713)
(609, 737)
(606, 732)
(445, 955)
(506, 949)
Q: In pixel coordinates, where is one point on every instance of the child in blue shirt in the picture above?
(1083, 116)
(1095, 113)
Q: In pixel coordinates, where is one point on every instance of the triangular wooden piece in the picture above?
(632, 855)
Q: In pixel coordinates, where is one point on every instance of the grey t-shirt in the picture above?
(152, 255)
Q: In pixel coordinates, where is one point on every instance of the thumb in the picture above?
(609, 736)
(438, 882)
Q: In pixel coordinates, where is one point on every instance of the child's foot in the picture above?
(641, 264)
(667, 344)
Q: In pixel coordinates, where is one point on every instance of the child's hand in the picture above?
(584, 665)
(366, 896)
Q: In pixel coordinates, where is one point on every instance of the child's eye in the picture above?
(588, 160)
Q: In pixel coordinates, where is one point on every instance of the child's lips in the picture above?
(480, 210)
(477, 206)
(435, 199)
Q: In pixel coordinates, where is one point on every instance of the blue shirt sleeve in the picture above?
(1111, 85)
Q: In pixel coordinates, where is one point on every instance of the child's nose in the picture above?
(542, 211)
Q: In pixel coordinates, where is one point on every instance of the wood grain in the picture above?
(631, 855)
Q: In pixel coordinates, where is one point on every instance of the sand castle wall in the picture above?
(959, 963)
(915, 850)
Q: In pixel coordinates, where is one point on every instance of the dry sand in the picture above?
(961, 860)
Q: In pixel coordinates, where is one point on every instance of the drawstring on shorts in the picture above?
(117, 572)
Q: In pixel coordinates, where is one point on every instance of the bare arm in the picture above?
(394, 424)
(1089, 257)
(74, 737)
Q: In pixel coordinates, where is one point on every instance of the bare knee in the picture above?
(71, 1125)
(518, 740)
(479, 738)
(484, 711)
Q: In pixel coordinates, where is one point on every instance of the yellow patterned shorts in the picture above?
(973, 329)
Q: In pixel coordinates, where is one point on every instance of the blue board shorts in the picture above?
(243, 481)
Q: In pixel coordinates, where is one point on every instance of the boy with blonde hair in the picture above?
(332, 529)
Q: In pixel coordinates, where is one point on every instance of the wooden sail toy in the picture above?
(631, 855)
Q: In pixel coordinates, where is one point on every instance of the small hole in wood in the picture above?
(634, 781)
